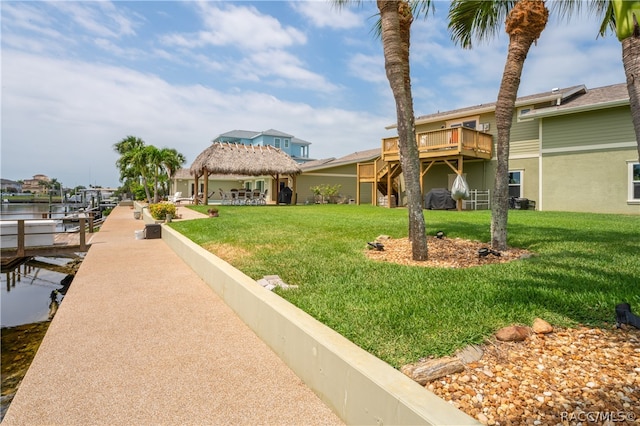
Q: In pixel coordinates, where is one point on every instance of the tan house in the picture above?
(35, 186)
(571, 149)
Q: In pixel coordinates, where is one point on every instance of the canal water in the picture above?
(26, 288)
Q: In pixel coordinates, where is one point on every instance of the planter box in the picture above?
(37, 233)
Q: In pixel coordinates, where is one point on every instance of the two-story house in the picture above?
(571, 149)
(296, 148)
(36, 185)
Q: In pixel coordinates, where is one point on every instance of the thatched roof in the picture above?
(251, 160)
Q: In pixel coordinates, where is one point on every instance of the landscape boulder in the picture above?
(424, 372)
(540, 326)
(513, 333)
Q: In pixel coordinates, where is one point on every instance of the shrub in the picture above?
(326, 193)
(159, 211)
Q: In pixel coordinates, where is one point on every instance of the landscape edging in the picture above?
(357, 386)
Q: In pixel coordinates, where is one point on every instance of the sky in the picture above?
(78, 77)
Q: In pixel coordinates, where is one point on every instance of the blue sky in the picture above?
(77, 77)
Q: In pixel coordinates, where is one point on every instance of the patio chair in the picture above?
(234, 197)
(180, 199)
(263, 198)
(255, 197)
(174, 197)
(224, 196)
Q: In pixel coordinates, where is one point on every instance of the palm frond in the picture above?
(476, 19)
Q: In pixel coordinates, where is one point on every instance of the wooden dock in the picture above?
(62, 242)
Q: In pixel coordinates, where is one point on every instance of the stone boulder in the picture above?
(540, 326)
(513, 333)
(425, 371)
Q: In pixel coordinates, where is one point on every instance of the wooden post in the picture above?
(195, 189)
(389, 188)
(460, 166)
(295, 190)
(83, 240)
(20, 249)
(205, 194)
(358, 183)
(374, 186)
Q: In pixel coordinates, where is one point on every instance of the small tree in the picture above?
(327, 192)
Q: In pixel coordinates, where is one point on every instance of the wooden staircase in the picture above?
(383, 175)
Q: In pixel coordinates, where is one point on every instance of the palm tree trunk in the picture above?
(395, 18)
(631, 62)
(524, 25)
(505, 107)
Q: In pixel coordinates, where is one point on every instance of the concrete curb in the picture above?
(359, 387)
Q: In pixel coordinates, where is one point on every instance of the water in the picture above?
(25, 289)
(15, 211)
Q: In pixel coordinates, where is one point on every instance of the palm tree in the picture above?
(171, 160)
(134, 161)
(394, 29)
(525, 21)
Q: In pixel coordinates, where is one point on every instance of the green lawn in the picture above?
(584, 265)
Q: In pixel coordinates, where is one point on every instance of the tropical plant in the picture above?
(139, 161)
(171, 160)
(159, 211)
(133, 162)
(394, 29)
(325, 191)
(525, 21)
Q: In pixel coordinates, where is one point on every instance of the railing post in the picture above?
(83, 239)
(20, 250)
(91, 223)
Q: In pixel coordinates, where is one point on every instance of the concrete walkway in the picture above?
(140, 339)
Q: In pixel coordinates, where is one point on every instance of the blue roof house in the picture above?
(296, 148)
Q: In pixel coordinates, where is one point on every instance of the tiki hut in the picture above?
(225, 158)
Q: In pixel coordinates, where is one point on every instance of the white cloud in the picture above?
(68, 115)
(101, 18)
(368, 68)
(240, 27)
(323, 14)
(284, 65)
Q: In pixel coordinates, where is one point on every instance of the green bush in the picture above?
(160, 211)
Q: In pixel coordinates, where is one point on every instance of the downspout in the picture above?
(539, 204)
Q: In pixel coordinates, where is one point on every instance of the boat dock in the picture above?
(24, 238)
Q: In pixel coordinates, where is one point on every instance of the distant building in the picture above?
(35, 185)
(296, 148)
(10, 185)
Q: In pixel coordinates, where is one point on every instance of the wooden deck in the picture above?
(438, 144)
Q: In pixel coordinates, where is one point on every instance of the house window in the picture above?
(522, 112)
(276, 142)
(286, 143)
(634, 182)
(515, 184)
(469, 124)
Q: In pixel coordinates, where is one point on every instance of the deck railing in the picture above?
(23, 242)
(451, 141)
